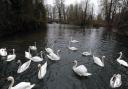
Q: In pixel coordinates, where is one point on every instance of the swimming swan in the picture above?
(49, 50)
(42, 70)
(120, 61)
(72, 48)
(54, 56)
(99, 61)
(74, 41)
(86, 53)
(12, 56)
(24, 66)
(37, 58)
(116, 81)
(80, 70)
(21, 85)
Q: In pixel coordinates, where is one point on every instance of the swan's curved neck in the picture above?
(120, 56)
(41, 54)
(13, 51)
(75, 65)
(12, 83)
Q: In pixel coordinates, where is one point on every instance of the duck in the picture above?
(74, 41)
(99, 61)
(34, 48)
(116, 81)
(21, 85)
(80, 70)
(42, 70)
(37, 58)
(28, 54)
(24, 66)
(54, 56)
(120, 61)
(3, 52)
(72, 48)
(11, 56)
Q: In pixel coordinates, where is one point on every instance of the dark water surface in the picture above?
(59, 74)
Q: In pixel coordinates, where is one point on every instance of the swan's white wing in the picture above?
(3, 52)
(73, 48)
(80, 70)
(42, 71)
(112, 80)
(115, 81)
(74, 41)
(33, 47)
(118, 81)
(86, 53)
(49, 50)
(98, 61)
(24, 67)
(123, 62)
(11, 57)
(49, 57)
(22, 85)
(53, 56)
(37, 59)
(28, 55)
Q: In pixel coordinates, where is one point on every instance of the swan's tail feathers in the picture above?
(32, 86)
(88, 74)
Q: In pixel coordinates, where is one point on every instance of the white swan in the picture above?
(72, 48)
(49, 50)
(21, 85)
(54, 56)
(99, 61)
(80, 70)
(74, 41)
(28, 54)
(37, 58)
(24, 66)
(116, 81)
(42, 70)
(87, 53)
(122, 62)
(12, 56)
(3, 52)
(33, 47)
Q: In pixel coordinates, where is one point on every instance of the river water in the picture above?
(60, 74)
